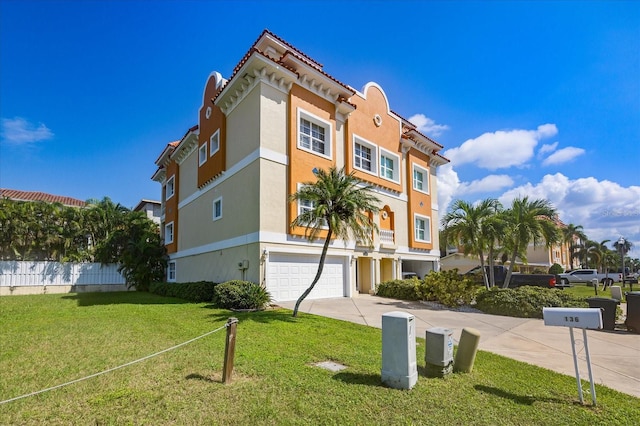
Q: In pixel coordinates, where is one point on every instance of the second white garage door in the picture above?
(290, 275)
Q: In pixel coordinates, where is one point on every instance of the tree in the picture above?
(570, 234)
(476, 228)
(103, 217)
(528, 222)
(624, 248)
(338, 205)
(138, 249)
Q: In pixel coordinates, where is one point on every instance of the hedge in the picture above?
(200, 291)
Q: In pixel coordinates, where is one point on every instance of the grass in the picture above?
(583, 290)
(51, 339)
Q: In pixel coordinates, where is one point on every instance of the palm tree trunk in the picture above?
(512, 263)
(318, 274)
(484, 271)
(492, 273)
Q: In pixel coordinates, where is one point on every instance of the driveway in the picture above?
(615, 355)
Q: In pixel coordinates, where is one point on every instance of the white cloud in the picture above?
(563, 155)
(448, 183)
(547, 148)
(427, 125)
(18, 131)
(486, 184)
(501, 149)
(605, 209)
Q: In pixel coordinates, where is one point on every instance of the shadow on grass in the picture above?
(519, 399)
(263, 317)
(195, 376)
(122, 297)
(368, 379)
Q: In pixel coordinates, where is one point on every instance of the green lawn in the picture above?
(584, 290)
(51, 339)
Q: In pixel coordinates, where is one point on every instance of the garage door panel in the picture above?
(288, 276)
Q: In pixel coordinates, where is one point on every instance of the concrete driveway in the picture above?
(615, 355)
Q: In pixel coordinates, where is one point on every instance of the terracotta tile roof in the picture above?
(290, 46)
(295, 55)
(16, 195)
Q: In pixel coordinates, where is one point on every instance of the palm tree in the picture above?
(528, 221)
(623, 246)
(475, 228)
(102, 219)
(570, 234)
(338, 204)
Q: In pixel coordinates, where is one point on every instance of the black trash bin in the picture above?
(608, 307)
(633, 311)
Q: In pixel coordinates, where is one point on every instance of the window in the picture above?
(389, 166)
(168, 233)
(307, 205)
(214, 143)
(314, 134)
(170, 188)
(420, 179)
(422, 227)
(217, 208)
(364, 155)
(171, 271)
(202, 154)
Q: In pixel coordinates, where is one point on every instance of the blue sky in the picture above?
(533, 98)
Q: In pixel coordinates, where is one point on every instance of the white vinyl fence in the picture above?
(18, 277)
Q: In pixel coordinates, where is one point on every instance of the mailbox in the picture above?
(584, 318)
(573, 317)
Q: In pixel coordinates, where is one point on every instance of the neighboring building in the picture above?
(260, 135)
(17, 195)
(538, 257)
(153, 209)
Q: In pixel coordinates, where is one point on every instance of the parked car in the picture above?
(407, 275)
(586, 276)
(517, 279)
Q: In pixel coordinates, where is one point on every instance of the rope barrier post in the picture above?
(229, 349)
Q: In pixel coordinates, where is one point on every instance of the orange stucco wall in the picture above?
(387, 135)
(419, 202)
(208, 126)
(301, 162)
(388, 222)
(171, 205)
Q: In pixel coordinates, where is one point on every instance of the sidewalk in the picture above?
(615, 355)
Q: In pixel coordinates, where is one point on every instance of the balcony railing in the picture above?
(386, 236)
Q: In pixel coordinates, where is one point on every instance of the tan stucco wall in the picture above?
(220, 265)
(273, 197)
(240, 211)
(273, 119)
(243, 128)
(188, 181)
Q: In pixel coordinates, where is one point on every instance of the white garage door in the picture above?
(288, 276)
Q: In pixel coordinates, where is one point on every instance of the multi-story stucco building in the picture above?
(260, 135)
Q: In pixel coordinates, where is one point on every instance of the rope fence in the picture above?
(118, 367)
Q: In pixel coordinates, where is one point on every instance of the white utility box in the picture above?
(399, 367)
(439, 351)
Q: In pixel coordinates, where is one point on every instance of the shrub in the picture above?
(448, 288)
(399, 289)
(525, 301)
(556, 269)
(238, 294)
(201, 291)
